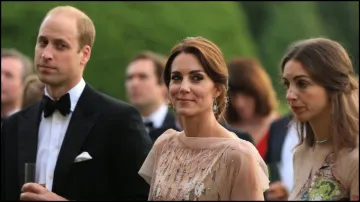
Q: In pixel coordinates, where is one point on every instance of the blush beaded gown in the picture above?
(207, 168)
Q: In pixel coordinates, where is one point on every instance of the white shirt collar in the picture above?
(286, 166)
(74, 93)
(158, 116)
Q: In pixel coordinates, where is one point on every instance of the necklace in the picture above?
(322, 141)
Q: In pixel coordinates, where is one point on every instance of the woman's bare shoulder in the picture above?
(348, 156)
(300, 151)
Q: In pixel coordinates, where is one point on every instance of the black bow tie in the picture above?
(149, 125)
(62, 105)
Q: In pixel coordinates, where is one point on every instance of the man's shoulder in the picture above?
(23, 112)
(108, 104)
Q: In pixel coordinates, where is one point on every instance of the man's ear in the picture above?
(85, 55)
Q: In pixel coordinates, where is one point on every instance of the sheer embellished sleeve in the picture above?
(250, 175)
(147, 169)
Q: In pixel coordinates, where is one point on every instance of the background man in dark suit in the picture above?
(86, 145)
(146, 90)
(15, 68)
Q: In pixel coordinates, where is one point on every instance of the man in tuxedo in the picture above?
(146, 89)
(86, 145)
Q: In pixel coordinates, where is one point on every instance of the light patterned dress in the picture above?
(335, 180)
(189, 168)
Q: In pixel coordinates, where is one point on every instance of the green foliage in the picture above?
(341, 22)
(125, 28)
(289, 22)
(257, 29)
(276, 25)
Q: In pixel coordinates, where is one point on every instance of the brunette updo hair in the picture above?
(211, 59)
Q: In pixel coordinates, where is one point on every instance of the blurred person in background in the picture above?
(15, 67)
(252, 100)
(33, 91)
(205, 161)
(146, 90)
(322, 91)
(84, 144)
(282, 140)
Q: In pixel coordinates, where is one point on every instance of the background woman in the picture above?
(253, 103)
(33, 91)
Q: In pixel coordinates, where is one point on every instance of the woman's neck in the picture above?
(204, 125)
(321, 126)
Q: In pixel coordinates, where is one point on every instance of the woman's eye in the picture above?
(302, 84)
(286, 84)
(175, 77)
(197, 78)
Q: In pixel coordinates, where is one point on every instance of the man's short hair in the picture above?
(25, 60)
(85, 26)
(158, 60)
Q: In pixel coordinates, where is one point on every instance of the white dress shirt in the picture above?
(157, 117)
(286, 166)
(51, 135)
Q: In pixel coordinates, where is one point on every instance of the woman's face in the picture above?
(244, 105)
(191, 90)
(306, 98)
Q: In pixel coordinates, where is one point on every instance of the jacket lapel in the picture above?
(81, 122)
(28, 137)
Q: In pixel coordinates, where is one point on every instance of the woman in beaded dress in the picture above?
(204, 161)
(322, 90)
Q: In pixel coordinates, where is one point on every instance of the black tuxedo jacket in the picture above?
(111, 131)
(169, 119)
(277, 133)
(155, 133)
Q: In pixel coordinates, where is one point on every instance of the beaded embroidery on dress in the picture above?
(323, 186)
(203, 172)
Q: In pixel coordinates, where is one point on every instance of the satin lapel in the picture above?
(82, 120)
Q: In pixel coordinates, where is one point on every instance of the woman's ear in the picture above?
(217, 91)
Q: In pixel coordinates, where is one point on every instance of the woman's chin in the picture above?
(302, 117)
(185, 112)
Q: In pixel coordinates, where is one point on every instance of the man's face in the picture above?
(142, 85)
(57, 56)
(11, 80)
